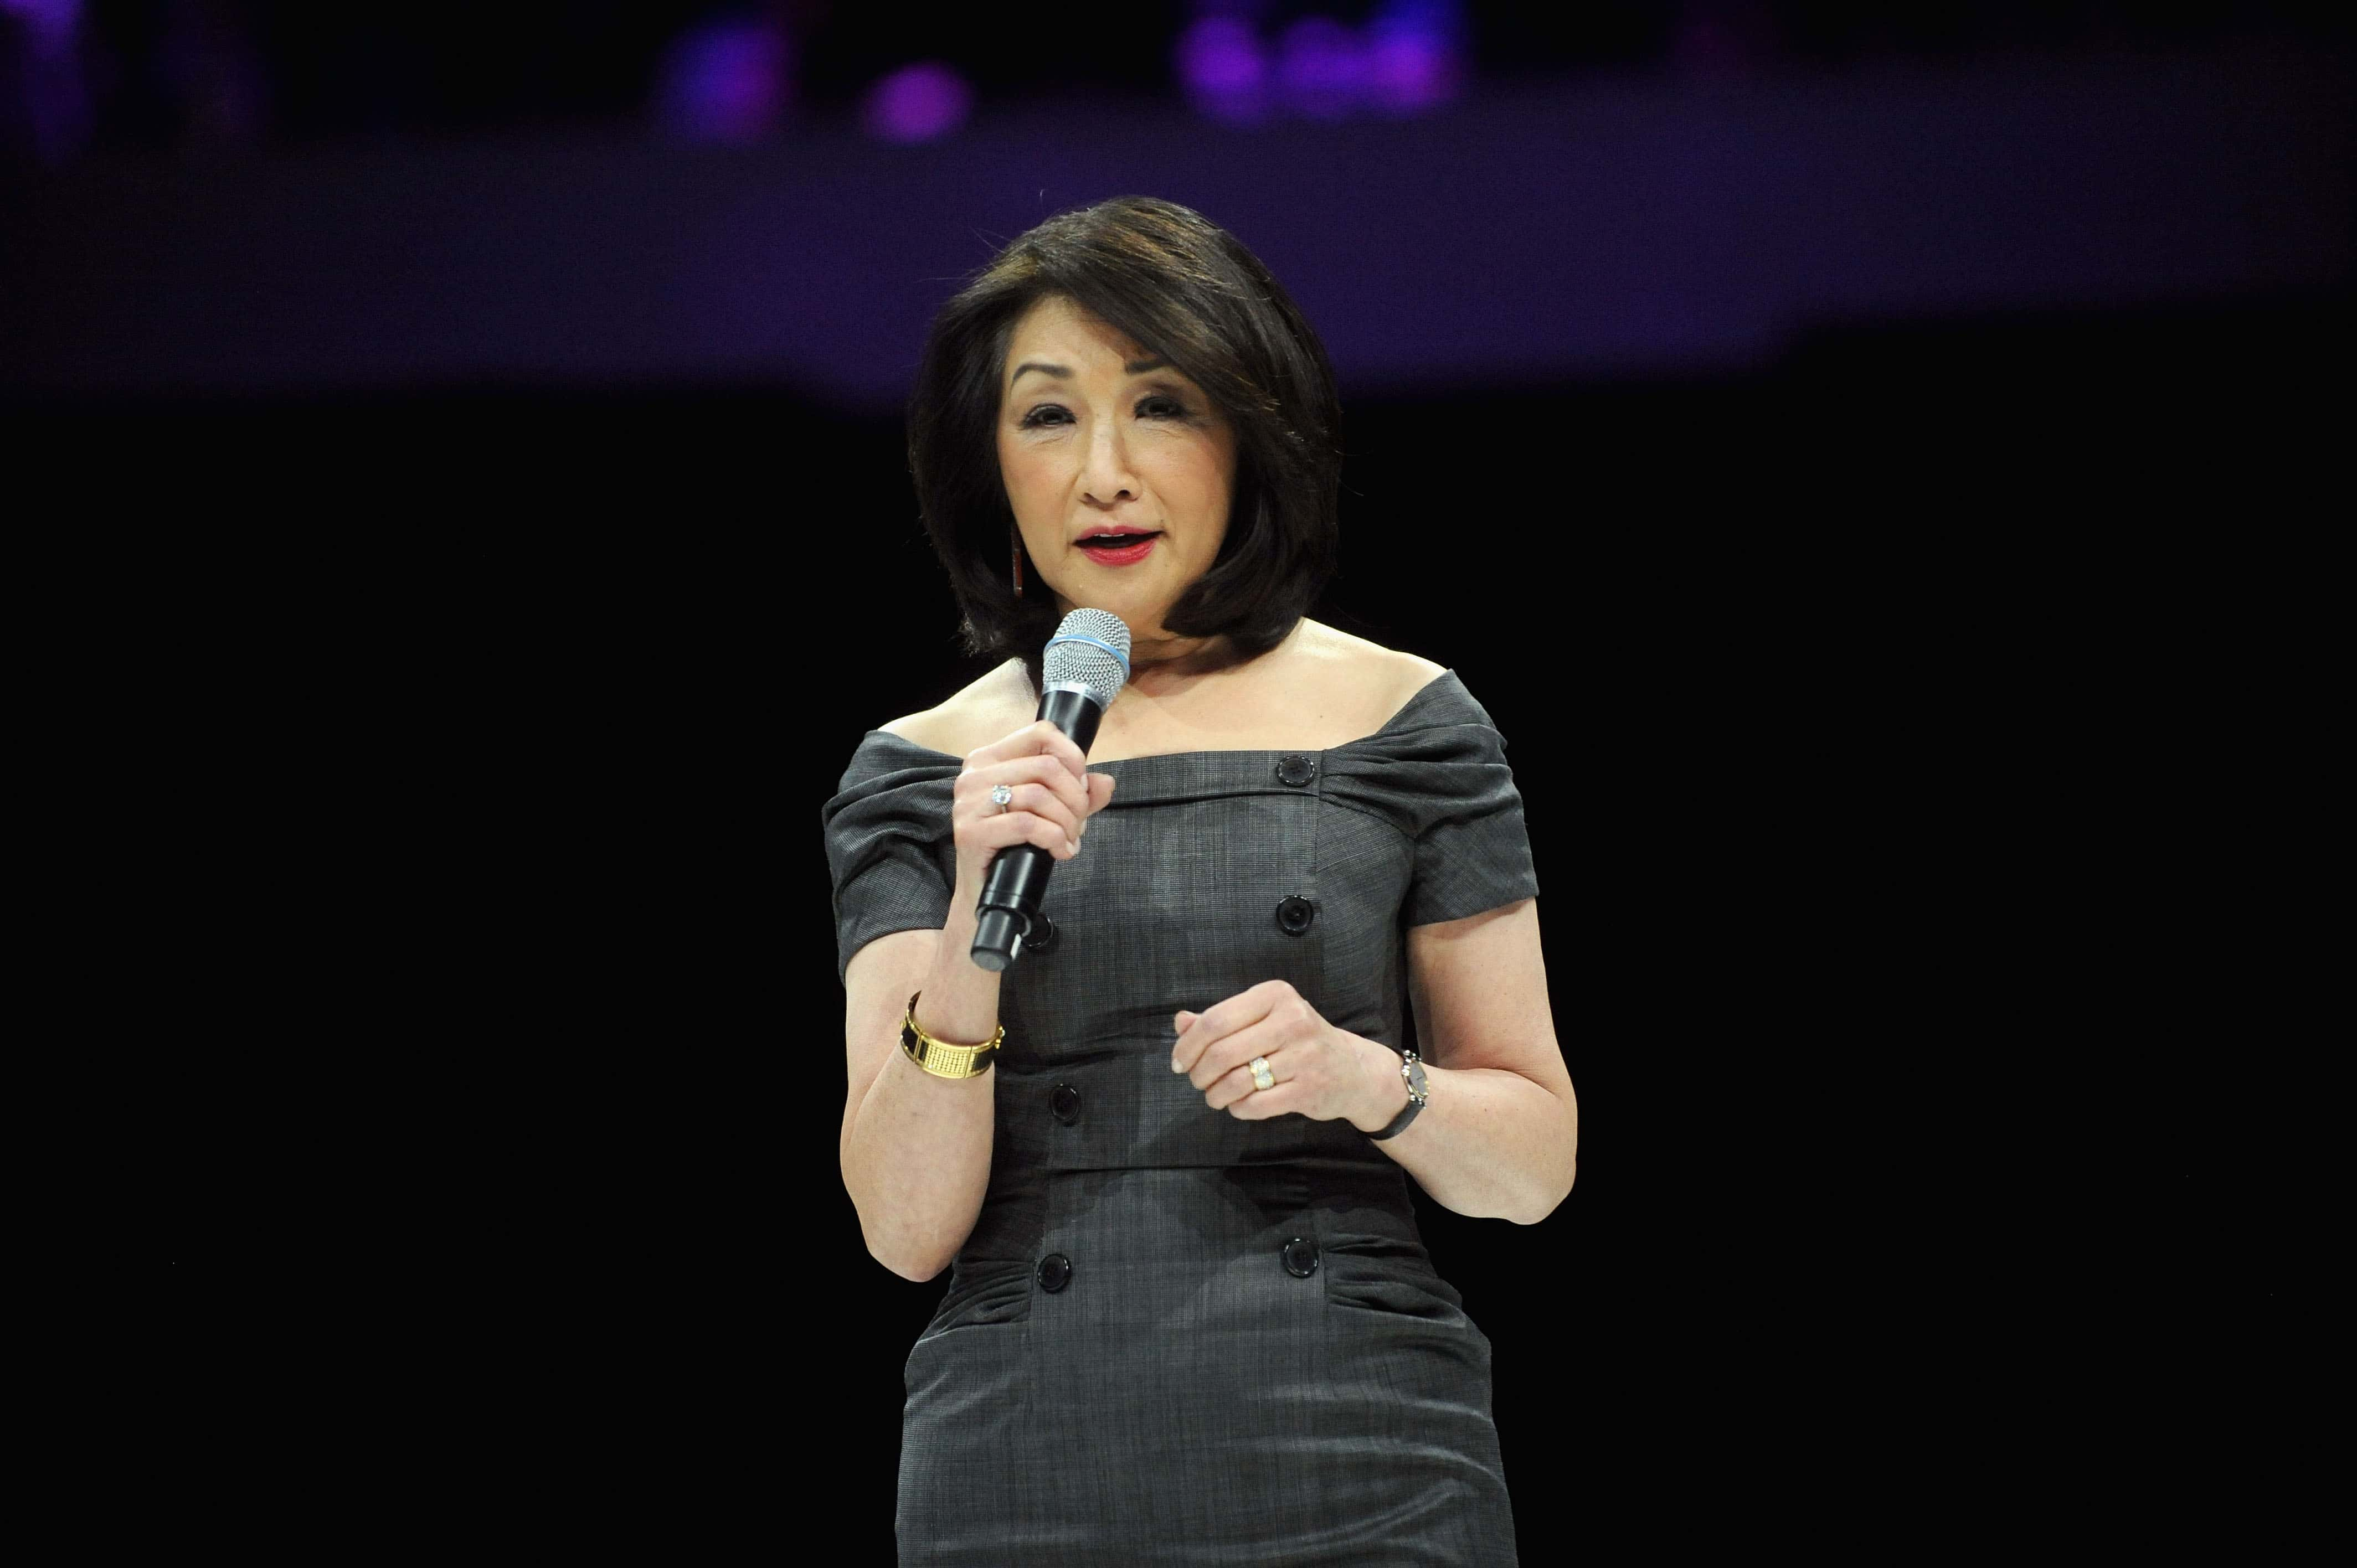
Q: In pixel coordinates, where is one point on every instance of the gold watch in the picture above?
(942, 1059)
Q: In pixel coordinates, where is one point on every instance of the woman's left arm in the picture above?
(1499, 1135)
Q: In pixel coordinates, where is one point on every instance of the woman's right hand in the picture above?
(1054, 795)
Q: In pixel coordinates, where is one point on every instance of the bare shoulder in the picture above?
(983, 711)
(1385, 678)
(989, 709)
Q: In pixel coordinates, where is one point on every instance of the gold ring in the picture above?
(1261, 1077)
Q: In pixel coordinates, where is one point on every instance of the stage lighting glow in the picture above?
(729, 81)
(51, 22)
(1222, 70)
(1408, 59)
(918, 102)
(1415, 61)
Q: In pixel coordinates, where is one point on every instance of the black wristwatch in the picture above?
(1412, 1073)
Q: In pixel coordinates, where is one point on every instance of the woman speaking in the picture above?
(1190, 1318)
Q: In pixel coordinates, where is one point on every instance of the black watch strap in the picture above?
(1398, 1123)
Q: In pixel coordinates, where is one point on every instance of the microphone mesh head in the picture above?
(1091, 647)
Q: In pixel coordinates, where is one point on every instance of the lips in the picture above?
(1118, 547)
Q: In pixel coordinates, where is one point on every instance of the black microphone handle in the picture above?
(1018, 878)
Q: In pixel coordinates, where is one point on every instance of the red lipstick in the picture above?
(1100, 547)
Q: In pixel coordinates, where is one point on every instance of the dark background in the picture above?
(1859, 687)
(171, 73)
(1832, 778)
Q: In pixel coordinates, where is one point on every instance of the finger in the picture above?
(1040, 801)
(1038, 738)
(1004, 830)
(1100, 796)
(1198, 1033)
(1237, 1082)
(1062, 748)
(1196, 1036)
(1192, 1037)
(973, 803)
(1044, 771)
(1261, 1104)
(1230, 1051)
(1221, 1018)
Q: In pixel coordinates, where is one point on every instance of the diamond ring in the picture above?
(1261, 1077)
(1000, 795)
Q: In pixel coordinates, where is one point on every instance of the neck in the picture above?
(1160, 663)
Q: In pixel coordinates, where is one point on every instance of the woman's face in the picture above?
(1097, 434)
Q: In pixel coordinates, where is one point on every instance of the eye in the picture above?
(1038, 416)
(1169, 407)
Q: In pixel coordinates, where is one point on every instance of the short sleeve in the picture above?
(1438, 773)
(888, 848)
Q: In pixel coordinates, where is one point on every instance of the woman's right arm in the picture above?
(916, 1148)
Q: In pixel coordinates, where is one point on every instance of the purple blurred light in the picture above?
(1222, 70)
(1413, 59)
(51, 78)
(1408, 59)
(51, 22)
(730, 80)
(1321, 68)
(918, 102)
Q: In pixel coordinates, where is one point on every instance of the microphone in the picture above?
(1085, 667)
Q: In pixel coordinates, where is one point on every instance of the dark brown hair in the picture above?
(1186, 289)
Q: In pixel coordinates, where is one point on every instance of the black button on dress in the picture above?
(1120, 1371)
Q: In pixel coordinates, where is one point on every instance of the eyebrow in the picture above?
(1135, 368)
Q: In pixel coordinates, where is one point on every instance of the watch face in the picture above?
(1416, 1085)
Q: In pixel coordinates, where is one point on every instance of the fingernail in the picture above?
(1175, 1067)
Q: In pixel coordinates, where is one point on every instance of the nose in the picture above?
(1106, 479)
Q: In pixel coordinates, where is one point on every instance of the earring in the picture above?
(1015, 548)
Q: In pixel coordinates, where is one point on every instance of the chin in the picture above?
(1138, 611)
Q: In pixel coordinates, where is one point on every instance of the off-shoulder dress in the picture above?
(1174, 1336)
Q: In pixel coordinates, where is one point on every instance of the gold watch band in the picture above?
(942, 1059)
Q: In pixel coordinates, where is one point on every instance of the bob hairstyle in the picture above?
(1182, 287)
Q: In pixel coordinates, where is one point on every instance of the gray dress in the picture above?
(1174, 1336)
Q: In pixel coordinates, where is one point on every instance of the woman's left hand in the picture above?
(1321, 1072)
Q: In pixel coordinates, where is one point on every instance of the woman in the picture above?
(1190, 1319)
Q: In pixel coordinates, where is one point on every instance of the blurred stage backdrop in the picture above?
(550, 358)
